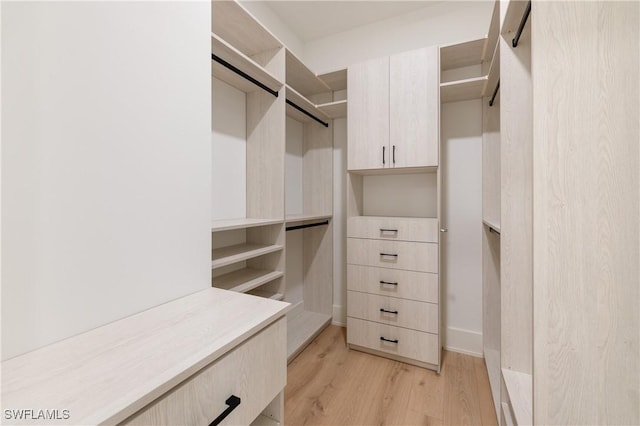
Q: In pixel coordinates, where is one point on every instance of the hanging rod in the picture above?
(491, 229)
(243, 74)
(307, 113)
(527, 11)
(495, 92)
(310, 225)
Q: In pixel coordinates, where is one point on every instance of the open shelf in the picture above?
(302, 78)
(239, 60)
(336, 80)
(241, 223)
(298, 99)
(260, 292)
(237, 253)
(246, 279)
(296, 218)
(337, 109)
(302, 327)
(463, 54)
(461, 90)
(233, 23)
(520, 389)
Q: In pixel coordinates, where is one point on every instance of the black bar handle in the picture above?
(389, 340)
(388, 283)
(394, 154)
(388, 254)
(523, 22)
(233, 402)
(388, 312)
(388, 230)
(383, 154)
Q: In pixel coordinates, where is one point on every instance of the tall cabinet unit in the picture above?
(393, 297)
(256, 77)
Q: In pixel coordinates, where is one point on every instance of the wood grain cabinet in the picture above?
(394, 111)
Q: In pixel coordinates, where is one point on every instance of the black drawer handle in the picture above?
(388, 312)
(387, 283)
(388, 230)
(233, 402)
(388, 254)
(389, 340)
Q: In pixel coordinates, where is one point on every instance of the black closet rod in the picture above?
(494, 231)
(310, 225)
(243, 74)
(527, 11)
(307, 113)
(495, 93)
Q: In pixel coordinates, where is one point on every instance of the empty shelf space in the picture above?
(297, 218)
(232, 254)
(304, 104)
(302, 78)
(337, 109)
(260, 292)
(336, 80)
(520, 390)
(241, 223)
(463, 54)
(302, 328)
(233, 23)
(245, 280)
(462, 90)
(227, 53)
(263, 420)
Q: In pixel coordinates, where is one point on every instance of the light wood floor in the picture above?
(328, 384)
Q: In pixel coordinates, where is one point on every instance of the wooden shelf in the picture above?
(462, 54)
(302, 327)
(232, 254)
(302, 78)
(260, 292)
(263, 420)
(336, 80)
(295, 97)
(337, 109)
(245, 280)
(462, 90)
(520, 390)
(491, 224)
(241, 223)
(296, 218)
(229, 54)
(233, 23)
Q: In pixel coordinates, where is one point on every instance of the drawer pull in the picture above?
(389, 340)
(382, 230)
(388, 312)
(233, 402)
(388, 254)
(388, 283)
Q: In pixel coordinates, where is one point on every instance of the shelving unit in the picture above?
(298, 218)
(237, 253)
(303, 326)
(246, 279)
(462, 90)
(302, 78)
(241, 223)
(303, 109)
(336, 109)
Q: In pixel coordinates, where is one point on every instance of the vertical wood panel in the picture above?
(586, 297)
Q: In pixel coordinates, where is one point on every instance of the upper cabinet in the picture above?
(393, 111)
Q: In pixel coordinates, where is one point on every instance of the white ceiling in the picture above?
(312, 19)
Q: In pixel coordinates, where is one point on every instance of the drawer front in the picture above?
(421, 257)
(420, 316)
(410, 343)
(394, 228)
(421, 286)
(255, 371)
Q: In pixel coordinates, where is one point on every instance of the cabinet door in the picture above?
(414, 108)
(368, 115)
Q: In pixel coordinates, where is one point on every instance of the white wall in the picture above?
(105, 163)
(269, 19)
(439, 23)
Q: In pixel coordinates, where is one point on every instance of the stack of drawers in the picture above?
(393, 288)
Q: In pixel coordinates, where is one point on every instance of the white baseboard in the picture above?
(339, 315)
(463, 341)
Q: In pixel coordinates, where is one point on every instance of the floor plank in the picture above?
(331, 385)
